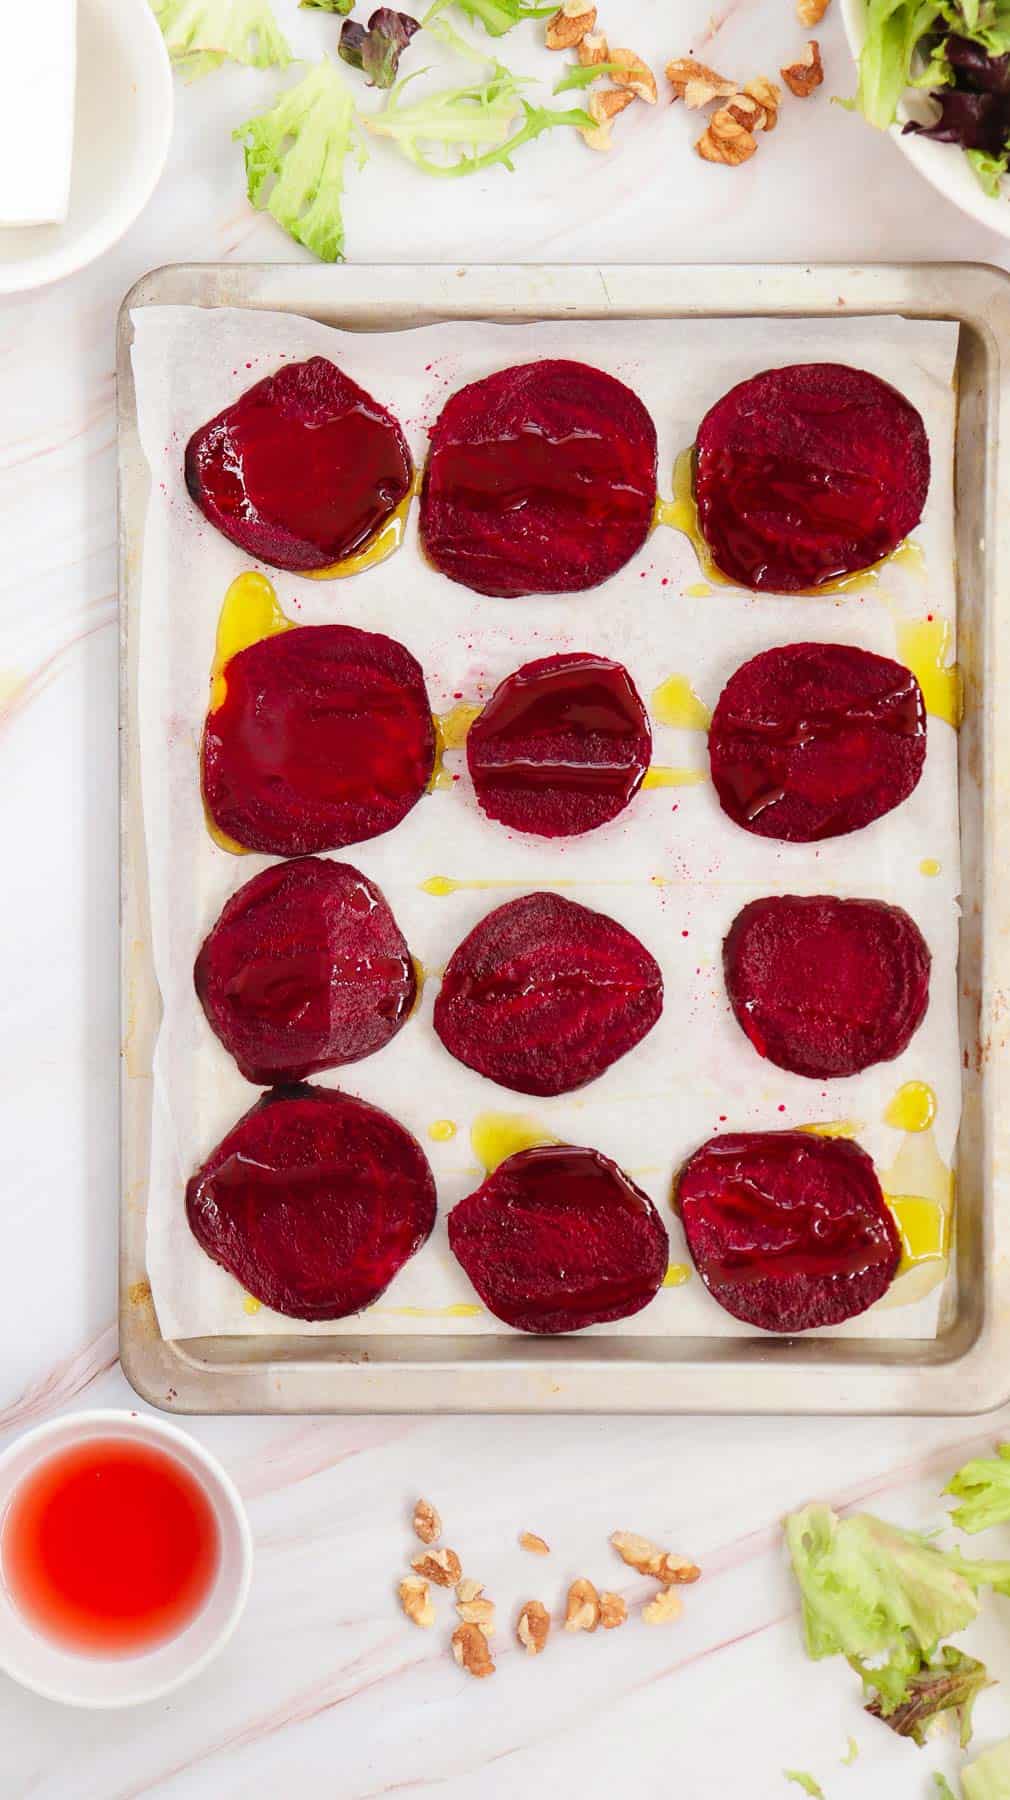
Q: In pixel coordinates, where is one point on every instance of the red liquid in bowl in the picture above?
(109, 1547)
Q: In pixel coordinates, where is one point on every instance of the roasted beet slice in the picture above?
(561, 746)
(826, 987)
(788, 1230)
(558, 1238)
(811, 741)
(324, 738)
(302, 469)
(808, 473)
(540, 479)
(305, 969)
(313, 1201)
(544, 995)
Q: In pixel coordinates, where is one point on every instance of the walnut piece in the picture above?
(427, 1524)
(604, 106)
(646, 1558)
(528, 1540)
(811, 12)
(443, 1567)
(633, 73)
(613, 1610)
(666, 1606)
(768, 95)
(533, 1628)
(570, 24)
(468, 1589)
(582, 1613)
(806, 73)
(416, 1601)
(696, 84)
(470, 1648)
(747, 112)
(725, 140)
(477, 1612)
(593, 49)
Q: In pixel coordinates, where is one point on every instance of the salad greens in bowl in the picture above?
(937, 74)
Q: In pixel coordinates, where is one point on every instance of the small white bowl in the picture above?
(943, 165)
(78, 1679)
(123, 128)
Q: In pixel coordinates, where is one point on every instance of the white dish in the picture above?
(123, 129)
(103, 1682)
(943, 165)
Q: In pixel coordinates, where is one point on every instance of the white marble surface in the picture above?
(326, 1691)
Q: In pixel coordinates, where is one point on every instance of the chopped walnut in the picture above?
(768, 94)
(593, 49)
(747, 112)
(443, 1567)
(416, 1601)
(613, 1610)
(468, 1589)
(806, 73)
(696, 84)
(427, 1524)
(470, 1648)
(725, 140)
(633, 73)
(570, 24)
(646, 1558)
(534, 1627)
(666, 1606)
(811, 12)
(528, 1540)
(477, 1612)
(603, 107)
(582, 1612)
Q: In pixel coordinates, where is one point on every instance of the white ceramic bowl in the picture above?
(95, 1681)
(123, 129)
(943, 165)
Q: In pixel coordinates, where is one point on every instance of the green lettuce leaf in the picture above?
(893, 30)
(580, 76)
(989, 172)
(202, 34)
(988, 1777)
(952, 1684)
(478, 125)
(806, 1782)
(943, 1788)
(294, 159)
(496, 16)
(983, 1485)
(852, 1751)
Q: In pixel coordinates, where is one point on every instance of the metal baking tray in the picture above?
(967, 1368)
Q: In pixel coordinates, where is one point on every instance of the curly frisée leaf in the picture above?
(479, 121)
(496, 16)
(294, 160)
(983, 1487)
(202, 34)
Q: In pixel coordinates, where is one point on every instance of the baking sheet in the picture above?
(671, 865)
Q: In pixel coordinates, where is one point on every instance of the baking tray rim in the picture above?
(960, 1372)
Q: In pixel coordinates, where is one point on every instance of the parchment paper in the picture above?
(672, 868)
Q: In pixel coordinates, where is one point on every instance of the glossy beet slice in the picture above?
(313, 1201)
(558, 1238)
(561, 747)
(808, 473)
(788, 1230)
(811, 741)
(302, 469)
(826, 987)
(324, 738)
(544, 995)
(540, 479)
(305, 969)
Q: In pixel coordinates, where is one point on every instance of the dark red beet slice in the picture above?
(826, 987)
(544, 995)
(313, 1201)
(811, 741)
(558, 1238)
(808, 473)
(302, 469)
(324, 738)
(788, 1230)
(305, 969)
(561, 746)
(540, 479)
